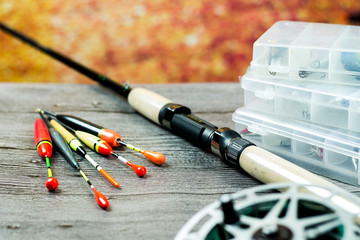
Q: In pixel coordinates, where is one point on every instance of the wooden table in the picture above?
(153, 207)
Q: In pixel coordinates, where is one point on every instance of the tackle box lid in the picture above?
(309, 51)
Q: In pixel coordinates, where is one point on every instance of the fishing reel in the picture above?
(296, 212)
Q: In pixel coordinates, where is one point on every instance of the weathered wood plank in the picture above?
(153, 207)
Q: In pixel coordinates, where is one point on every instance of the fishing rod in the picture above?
(76, 145)
(111, 137)
(224, 142)
(66, 152)
(44, 147)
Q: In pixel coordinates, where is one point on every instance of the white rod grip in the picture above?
(147, 102)
(269, 168)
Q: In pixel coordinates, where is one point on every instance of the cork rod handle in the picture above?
(147, 102)
(270, 168)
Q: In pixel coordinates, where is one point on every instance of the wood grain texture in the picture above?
(153, 207)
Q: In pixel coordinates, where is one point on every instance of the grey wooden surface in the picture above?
(153, 207)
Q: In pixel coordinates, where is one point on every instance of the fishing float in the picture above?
(44, 147)
(102, 147)
(224, 142)
(66, 152)
(76, 145)
(111, 137)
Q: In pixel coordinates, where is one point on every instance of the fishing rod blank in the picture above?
(124, 89)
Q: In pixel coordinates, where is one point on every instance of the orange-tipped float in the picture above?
(155, 157)
(99, 197)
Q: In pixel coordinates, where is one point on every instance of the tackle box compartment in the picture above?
(332, 105)
(327, 151)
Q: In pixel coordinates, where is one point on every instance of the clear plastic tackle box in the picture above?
(334, 105)
(309, 51)
(327, 151)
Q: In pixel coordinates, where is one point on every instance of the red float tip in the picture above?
(139, 170)
(101, 199)
(52, 183)
(155, 157)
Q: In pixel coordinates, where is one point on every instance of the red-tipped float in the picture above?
(101, 199)
(139, 170)
(51, 183)
(44, 148)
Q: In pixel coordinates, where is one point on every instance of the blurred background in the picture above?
(157, 41)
